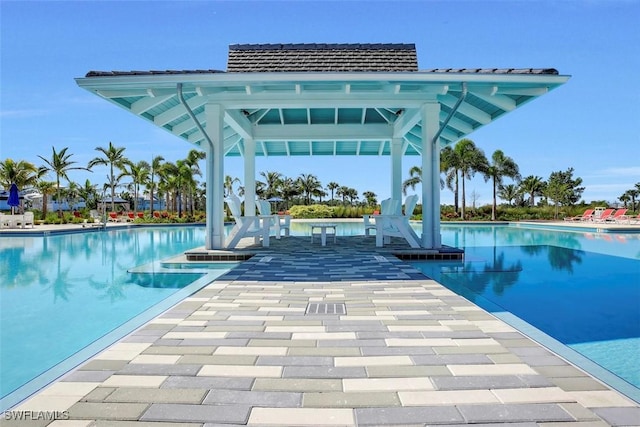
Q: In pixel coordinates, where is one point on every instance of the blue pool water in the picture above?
(581, 289)
(64, 297)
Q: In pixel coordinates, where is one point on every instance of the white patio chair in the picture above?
(387, 207)
(246, 226)
(27, 219)
(397, 224)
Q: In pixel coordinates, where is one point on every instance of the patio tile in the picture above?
(251, 351)
(197, 413)
(451, 397)
(350, 400)
(162, 395)
(386, 384)
(620, 416)
(134, 381)
(508, 369)
(240, 371)
(533, 395)
(155, 358)
(301, 416)
(297, 384)
(254, 398)
(373, 361)
(514, 413)
(600, 399)
(408, 415)
(114, 411)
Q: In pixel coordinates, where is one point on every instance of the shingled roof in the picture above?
(312, 57)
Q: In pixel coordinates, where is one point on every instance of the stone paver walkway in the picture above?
(245, 351)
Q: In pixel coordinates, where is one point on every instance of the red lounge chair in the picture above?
(131, 216)
(113, 216)
(586, 216)
(156, 214)
(140, 215)
(618, 216)
(604, 215)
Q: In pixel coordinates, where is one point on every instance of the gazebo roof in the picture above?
(322, 99)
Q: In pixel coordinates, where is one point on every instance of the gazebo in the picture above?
(322, 100)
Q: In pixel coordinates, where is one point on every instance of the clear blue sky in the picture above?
(592, 123)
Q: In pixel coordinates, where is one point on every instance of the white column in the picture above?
(215, 177)
(249, 177)
(430, 117)
(396, 170)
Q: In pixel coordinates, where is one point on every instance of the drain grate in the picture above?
(326, 308)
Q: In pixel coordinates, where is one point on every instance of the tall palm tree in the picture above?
(46, 188)
(156, 164)
(450, 166)
(114, 158)
(193, 157)
(343, 191)
(60, 164)
(472, 160)
(501, 166)
(289, 188)
(22, 173)
(332, 186)
(533, 186)
(139, 173)
(272, 184)
(309, 184)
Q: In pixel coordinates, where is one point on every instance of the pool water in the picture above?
(581, 289)
(64, 297)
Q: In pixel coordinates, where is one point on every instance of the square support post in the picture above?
(430, 115)
(214, 237)
(249, 177)
(396, 171)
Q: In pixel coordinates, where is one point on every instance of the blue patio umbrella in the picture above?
(14, 196)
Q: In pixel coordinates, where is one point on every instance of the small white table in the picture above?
(323, 227)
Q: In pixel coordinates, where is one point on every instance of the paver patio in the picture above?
(244, 351)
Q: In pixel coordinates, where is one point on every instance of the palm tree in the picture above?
(332, 186)
(156, 164)
(415, 178)
(46, 188)
(88, 192)
(228, 185)
(22, 173)
(289, 188)
(272, 184)
(114, 158)
(500, 167)
(533, 186)
(309, 184)
(343, 191)
(508, 192)
(191, 161)
(370, 197)
(139, 172)
(449, 164)
(60, 163)
(472, 160)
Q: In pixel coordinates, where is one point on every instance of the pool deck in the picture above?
(247, 350)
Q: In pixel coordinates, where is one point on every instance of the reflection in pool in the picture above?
(569, 285)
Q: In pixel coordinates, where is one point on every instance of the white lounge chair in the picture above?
(27, 219)
(387, 207)
(397, 224)
(246, 226)
(279, 222)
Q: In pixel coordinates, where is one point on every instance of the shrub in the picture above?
(311, 211)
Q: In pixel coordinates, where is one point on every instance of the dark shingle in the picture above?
(313, 57)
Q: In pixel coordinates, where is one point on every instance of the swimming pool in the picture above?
(580, 289)
(64, 297)
(81, 280)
